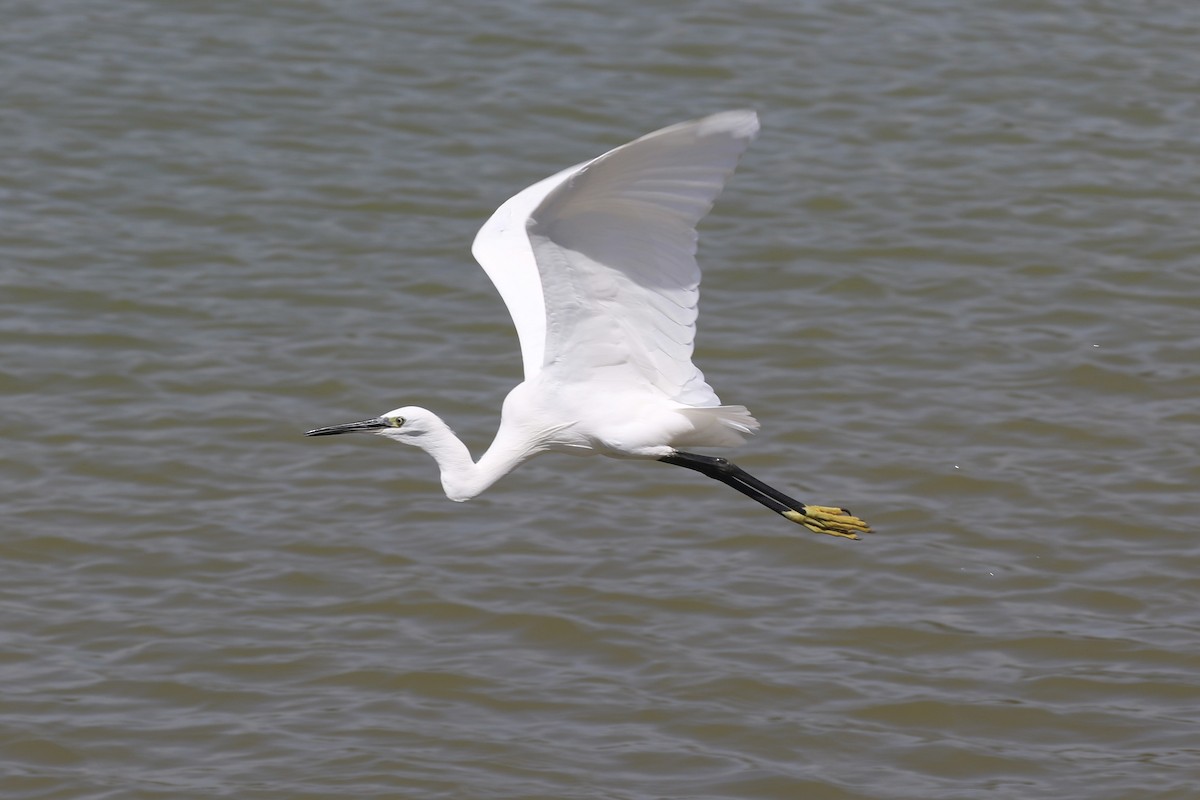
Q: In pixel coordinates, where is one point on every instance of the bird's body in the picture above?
(597, 267)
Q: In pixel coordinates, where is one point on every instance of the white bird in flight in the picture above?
(597, 266)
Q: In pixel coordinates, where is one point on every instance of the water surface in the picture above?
(956, 278)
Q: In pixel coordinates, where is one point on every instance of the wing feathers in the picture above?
(612, 244)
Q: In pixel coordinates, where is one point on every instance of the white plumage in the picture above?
(597, 265)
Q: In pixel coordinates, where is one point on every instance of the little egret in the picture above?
(597, 266)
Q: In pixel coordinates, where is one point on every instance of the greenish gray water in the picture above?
(957, 279)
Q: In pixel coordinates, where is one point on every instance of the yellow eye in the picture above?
(395, 422)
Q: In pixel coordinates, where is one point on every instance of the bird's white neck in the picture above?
(462, 477)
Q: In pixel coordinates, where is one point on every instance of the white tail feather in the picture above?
(718, 426)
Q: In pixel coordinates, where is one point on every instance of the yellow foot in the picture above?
(833, 521)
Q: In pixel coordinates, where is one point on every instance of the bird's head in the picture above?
(406, 425)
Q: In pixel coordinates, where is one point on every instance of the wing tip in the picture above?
(740, 123)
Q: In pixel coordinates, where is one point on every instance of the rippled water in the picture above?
(957, 278)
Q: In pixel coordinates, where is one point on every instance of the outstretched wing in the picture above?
(597, 264)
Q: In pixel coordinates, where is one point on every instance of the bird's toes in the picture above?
(829, 520)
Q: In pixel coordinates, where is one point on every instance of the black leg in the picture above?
(821, 519)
